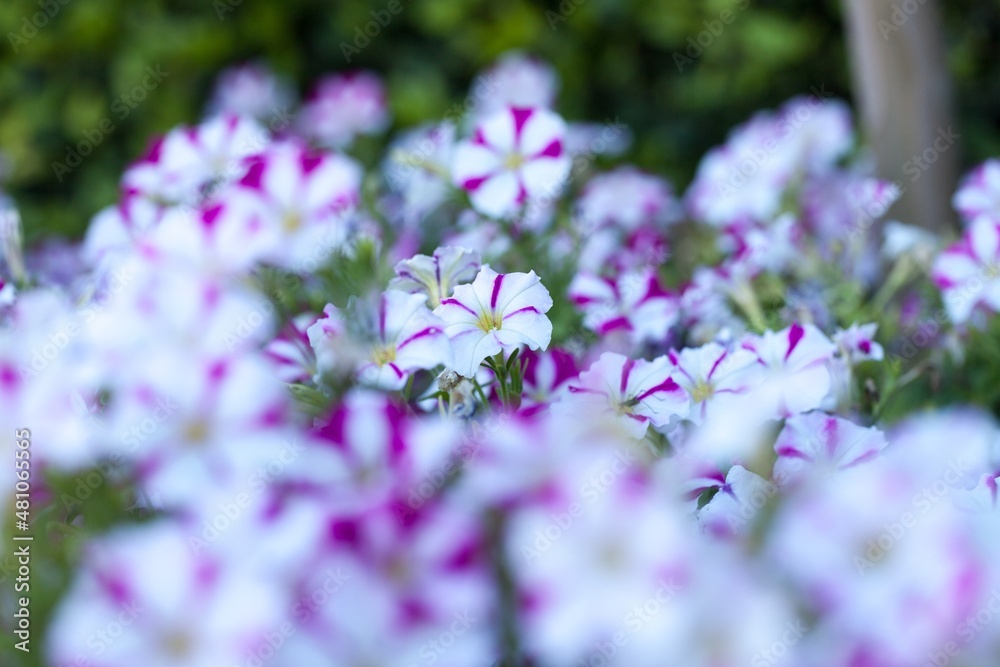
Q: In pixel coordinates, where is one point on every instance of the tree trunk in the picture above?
(903, 93)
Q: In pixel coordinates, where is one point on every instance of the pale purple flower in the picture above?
(627, 199)
(252, 90)
(343, 106)
(634, 303)
(515, 80)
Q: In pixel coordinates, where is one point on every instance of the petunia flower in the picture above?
(516, 154)
(710, 374)
(300, 199)
(634, 302)
(967, 272)
(408, 338)
(382, 345)
(496, 313)
(817, 440)
(635, 393)
(795, 377)
(979, 194)
(343, 106)
(858, 343)
(436, 275)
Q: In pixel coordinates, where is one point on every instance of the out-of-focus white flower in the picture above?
(515, 155)
(979, 194)
(343, 106)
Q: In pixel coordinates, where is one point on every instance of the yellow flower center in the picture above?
(291, 221)
(702, 391)
(384, 355)
(490, 321)
(513, 161)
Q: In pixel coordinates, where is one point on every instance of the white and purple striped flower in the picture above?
(967, 272)
(498, 312)
(822, 442)
(436, 275)
(300, 199)
(711, 374)
(408, 338)
(343, 106)
(516, 154)
(634, 393)
(635, 302)
(979, 194)
(857, 342)
(795, 374)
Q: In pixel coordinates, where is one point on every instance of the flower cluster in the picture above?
(500, 405)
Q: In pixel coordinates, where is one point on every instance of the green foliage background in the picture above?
(616, 58)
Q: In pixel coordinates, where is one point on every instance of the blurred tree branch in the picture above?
(903, 88)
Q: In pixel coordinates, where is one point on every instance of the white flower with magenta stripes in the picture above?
(498, 312)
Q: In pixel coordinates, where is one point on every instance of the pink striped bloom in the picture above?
(635, 393)
(820, 441)
(408, 338)
(711, 374)
(343, 106)
(979, 194)
(299, 199)
(966, 272)
(437, 275)
(382, 343)
(515, 155)
(633, 302)
(795, 374)
(179, 167)
(498, 312)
